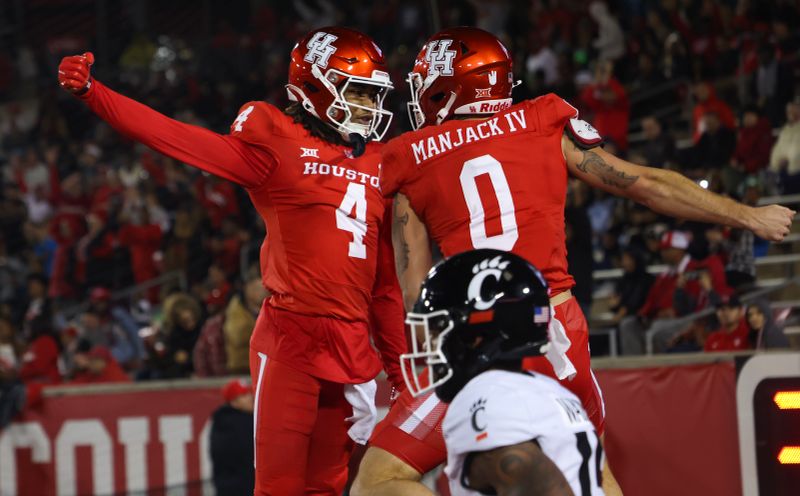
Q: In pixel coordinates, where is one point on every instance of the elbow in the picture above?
(651, 189)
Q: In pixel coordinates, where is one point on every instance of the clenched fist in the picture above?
(74, 73)
(772, 222)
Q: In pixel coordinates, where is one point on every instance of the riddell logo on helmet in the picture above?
(489, 107)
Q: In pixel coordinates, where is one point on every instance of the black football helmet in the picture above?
(475, 309)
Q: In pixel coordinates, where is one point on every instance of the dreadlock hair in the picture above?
(314, 125)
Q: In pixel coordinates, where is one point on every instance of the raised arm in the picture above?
(670, 193)
(520, 469)
(412, 249)
(226, 156)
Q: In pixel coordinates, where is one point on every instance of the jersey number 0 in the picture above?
(486, 164)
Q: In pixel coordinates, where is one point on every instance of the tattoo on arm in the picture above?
(594, 164)
(401, 249)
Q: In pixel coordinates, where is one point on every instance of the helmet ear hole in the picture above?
(438, 97)
(310, 87)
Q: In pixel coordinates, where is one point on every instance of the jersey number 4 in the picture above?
(354, 202)
(486, 164)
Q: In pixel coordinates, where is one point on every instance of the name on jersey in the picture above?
(322, 169)
(573, 411)
(432, 146)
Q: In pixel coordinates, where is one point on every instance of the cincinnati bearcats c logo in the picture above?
(320, 49)
(439, 58)
(478, 407)
(487, 268)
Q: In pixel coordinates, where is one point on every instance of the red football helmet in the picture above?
(459, 71)
(324, 64)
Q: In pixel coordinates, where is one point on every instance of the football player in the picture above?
(480, 172)
(506, 431)
(312, 173)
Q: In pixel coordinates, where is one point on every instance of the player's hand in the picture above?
(397, 390)
(772, 222)
(74, 73)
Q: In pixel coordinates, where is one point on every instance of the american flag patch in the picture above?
(541, 315)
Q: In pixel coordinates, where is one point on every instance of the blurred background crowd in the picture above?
(120, 264)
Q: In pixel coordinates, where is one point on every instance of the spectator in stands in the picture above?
(707, 102)
(541, 59)
(632, 288)
(143, 239)
(217, 280)
(227, 246)
(785, 156)
(182, 329)
(608, 102)
(773, 83)
(39, 362)
(157, 360)
(240, 318)
(658, 149)
(712, 151)
(647, 75)
(686, 286)
(231, 429)
(610, 42)
(114, 314)
(13, 214)
(764, 332)
(733, 332)
(95, 327)
(38, 305)
(98, 366)
(95, 251)
(67, 227)
(12, 273)
(43, 248)
(209, 352)
(74, 352)
(753, 143)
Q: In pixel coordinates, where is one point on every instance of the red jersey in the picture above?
(322, 209)
(495, 183)
(736, 340)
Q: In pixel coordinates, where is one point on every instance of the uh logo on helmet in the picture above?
(328, 62)
(459, 71)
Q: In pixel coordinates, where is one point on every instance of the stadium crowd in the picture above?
(704, 87)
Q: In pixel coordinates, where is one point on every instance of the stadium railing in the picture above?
(176, 276)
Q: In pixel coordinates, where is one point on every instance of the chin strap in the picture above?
(359, 144)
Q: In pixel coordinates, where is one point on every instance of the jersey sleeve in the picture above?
(230, 157)
(393, 164)
(386, 311)
(550, 113)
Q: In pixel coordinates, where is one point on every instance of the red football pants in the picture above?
(301, 441)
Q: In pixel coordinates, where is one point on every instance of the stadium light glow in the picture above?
(789, 455)
(787, 400)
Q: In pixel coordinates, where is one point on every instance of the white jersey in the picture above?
(500, 408)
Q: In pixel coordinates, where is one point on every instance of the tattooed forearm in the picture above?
(593, 163)
(401, 250)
